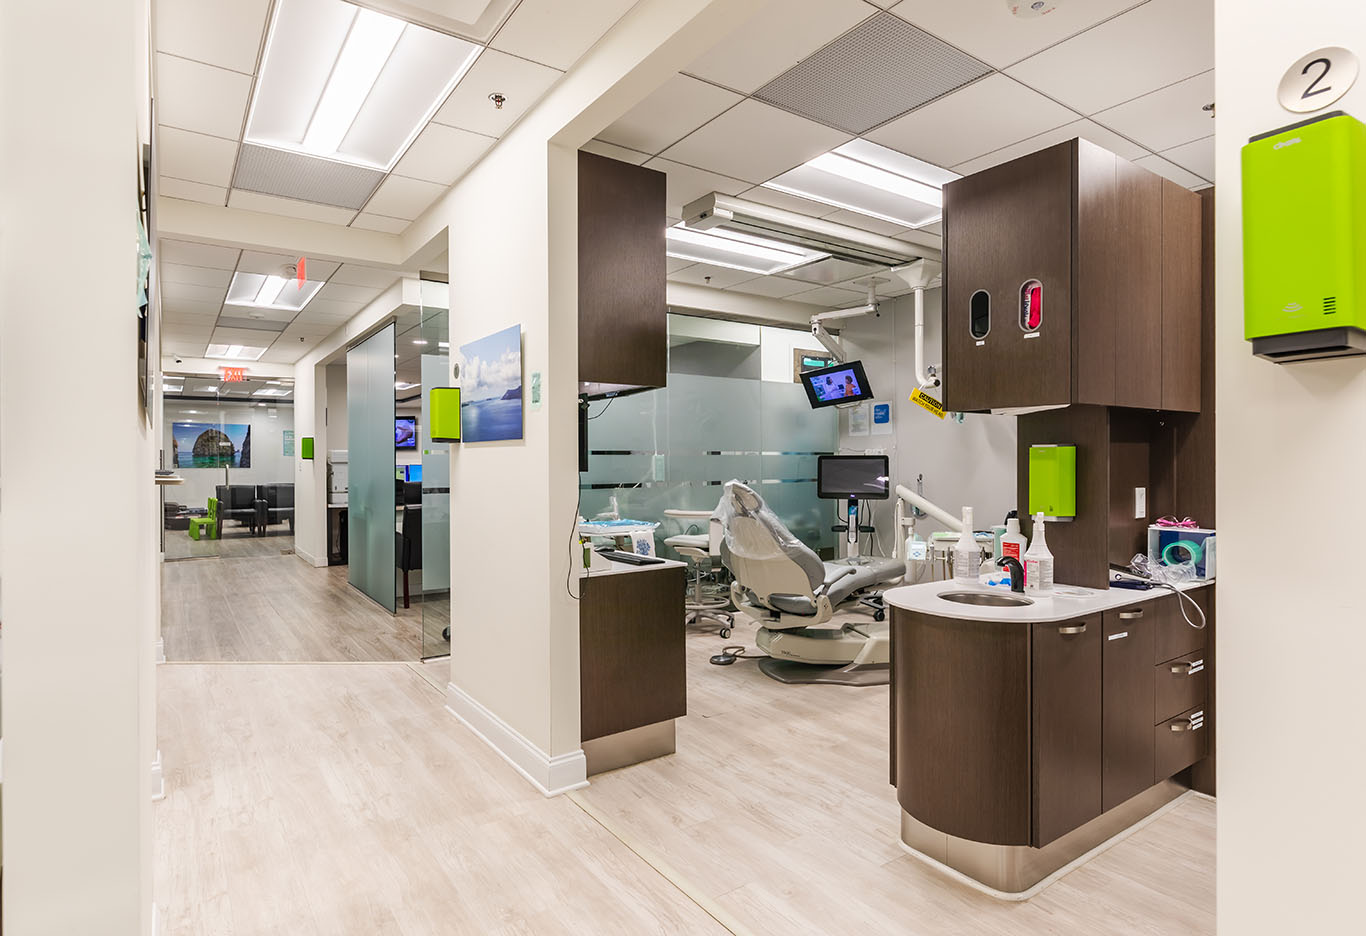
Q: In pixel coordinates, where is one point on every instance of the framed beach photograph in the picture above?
(491, 387)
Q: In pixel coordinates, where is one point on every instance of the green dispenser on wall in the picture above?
(1304, 240)
(1053, 481)
(445, 414)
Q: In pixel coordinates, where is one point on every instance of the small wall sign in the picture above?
(1317, 80)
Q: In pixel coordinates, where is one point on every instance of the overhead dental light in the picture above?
(736, 250)
(873, 180)
(269, 291)
(351, 84)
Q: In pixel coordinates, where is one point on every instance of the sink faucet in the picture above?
(1016, 572)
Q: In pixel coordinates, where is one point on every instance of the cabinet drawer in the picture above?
(1179, 742)
(1181, 684)
(1172, 635)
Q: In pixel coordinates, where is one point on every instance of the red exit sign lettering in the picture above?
(234, 374)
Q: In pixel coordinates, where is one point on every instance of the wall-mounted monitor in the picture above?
(405, 432)
(839, 383)
(866, 477)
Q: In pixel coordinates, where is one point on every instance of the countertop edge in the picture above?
(924, 599)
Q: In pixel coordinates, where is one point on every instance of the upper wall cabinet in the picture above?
(623, 314)
(1072, 276)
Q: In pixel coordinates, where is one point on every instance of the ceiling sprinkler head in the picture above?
(498, 100)
(1028, 9)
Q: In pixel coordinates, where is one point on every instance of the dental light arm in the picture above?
(904, 496)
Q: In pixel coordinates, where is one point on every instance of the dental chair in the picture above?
(793, 595)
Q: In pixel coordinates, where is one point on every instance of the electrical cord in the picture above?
(729, 655)
(573, 531)
(610, 401)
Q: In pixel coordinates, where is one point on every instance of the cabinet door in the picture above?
(1005, 227)
(1138, 287)
(1065, 681)
(1126, 705)
(1181, 246)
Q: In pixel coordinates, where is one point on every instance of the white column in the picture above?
(1292, 615)
(76, 463)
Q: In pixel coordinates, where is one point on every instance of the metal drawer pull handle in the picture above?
(1070, 629)
(1120, 636)
(1188, 668)
(1131, 615)
(1193, 722)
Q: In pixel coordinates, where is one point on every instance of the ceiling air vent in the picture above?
(308, 178)
(880, 69)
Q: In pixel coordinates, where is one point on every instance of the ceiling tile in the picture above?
(195, 157)
(672, 265)
(686, 184)
(755, 142)
(175, 292)
(1172, 171)
(521, 82)
(353, 274)
(441, 154)
(401, 197)
(203, 255)
(986, 29)
(674, 110)
(775, 287)
(1196, 156)
(374, 222)
(256, 338)
(194, 275)
(612, 151)
(1150, 47)
(704, 274)
(779, 36)
(190, 311)
(832, 297)
(289, 207)
(202, 98)
(777, 199)
(192, 191)
(347, 293)
(864, 223)
(982, 117)
(256, 261)
(1085, 129)
(285, 354)
(936, 228)
(322, 309)
(224, 34)
(555, 32)
(1167, 117)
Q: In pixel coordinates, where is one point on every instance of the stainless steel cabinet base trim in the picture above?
(629, 747)
(1018, 872)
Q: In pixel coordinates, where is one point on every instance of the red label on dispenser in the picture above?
(1010, 549)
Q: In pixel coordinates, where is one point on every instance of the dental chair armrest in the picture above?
(690, 514)
(825, 586)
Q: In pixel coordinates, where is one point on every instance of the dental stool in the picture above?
(702, 553)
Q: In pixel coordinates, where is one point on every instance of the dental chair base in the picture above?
(852, 655)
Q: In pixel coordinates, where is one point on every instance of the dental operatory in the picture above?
(872, 467)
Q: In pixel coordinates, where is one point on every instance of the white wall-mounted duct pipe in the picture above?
(921, 275)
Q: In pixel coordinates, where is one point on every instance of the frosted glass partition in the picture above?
(436, 502)
(676, 446)
(370, 442)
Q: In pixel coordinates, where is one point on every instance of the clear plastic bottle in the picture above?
(1038, 562)
(967, 557)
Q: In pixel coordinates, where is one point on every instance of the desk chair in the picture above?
(408, 547)
(205, 527)
(702, 553)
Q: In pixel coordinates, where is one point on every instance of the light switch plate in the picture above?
(1140, 503)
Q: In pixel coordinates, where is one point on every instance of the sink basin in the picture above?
(986, 599)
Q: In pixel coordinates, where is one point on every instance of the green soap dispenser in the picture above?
(1053, 481)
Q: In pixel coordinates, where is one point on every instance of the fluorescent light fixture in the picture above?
(234, 352)
(172, 388)
(267, 291)
(210, 388)
(272, 392)
(419, 341)
(351, 84)
(443, 344)
(736, 250)
(871, 180)
(401, 385)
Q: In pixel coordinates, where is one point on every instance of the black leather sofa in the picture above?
(274, 504)
(237, 502)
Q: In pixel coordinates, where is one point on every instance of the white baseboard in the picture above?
(161, 650)
(551, 775)
(158, 779)
(308, 557)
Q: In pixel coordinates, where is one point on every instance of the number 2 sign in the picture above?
(1317, 80)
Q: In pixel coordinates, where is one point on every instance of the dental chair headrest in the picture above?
(744, 497)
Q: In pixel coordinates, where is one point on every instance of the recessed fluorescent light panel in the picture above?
(350, 84)
(235, 352)
(261, 291)
(736, 250)
(404, 385)
(871, 180)
(272, 392)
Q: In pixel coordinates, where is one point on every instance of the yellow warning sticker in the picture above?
(930, 404)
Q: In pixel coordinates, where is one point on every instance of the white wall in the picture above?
(965, 464)
(1290, 449)
(77, 532)
(268, 461)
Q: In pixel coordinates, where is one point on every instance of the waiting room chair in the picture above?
(236, 502)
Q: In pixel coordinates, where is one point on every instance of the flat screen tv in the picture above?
(405, 432)
(836, 384)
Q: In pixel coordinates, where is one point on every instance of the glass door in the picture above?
(198, 448)
(371, 529)
(435, 371)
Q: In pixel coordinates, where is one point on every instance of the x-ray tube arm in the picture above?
(931, 508)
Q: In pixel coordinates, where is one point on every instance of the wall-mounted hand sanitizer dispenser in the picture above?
(1053, 481)
(1304, 240)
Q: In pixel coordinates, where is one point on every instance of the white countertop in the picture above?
(617, 568)
(924, 599)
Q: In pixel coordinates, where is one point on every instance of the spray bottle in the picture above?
(1038, 562)
(967, 558)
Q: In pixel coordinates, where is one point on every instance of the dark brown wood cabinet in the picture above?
(1126, 704)
(623, 312)
(1071, 276)
(1066, 680)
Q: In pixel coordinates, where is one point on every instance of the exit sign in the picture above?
(234, 374)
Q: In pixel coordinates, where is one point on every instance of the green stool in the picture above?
(206, 527)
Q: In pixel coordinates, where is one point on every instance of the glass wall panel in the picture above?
(436, 490)
(370, 442)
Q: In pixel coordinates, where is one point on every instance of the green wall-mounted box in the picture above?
(1053, 480)
(445, 414)
(1304, 240)
(306, 447)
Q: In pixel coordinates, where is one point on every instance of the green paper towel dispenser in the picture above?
(1304, 240)
(1053, 481)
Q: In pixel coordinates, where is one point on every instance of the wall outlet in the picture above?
(1140, 503)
